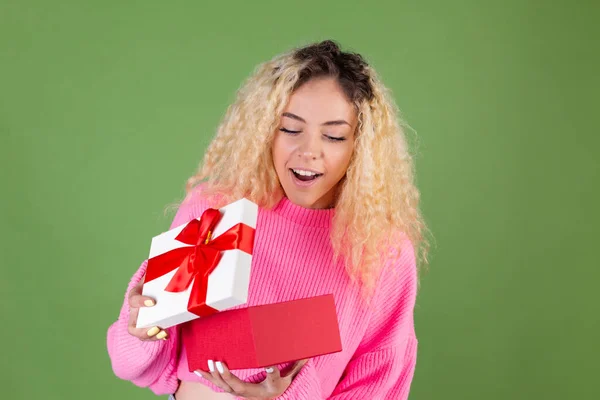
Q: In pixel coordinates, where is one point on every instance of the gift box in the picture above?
(265, 335)
(201, 267)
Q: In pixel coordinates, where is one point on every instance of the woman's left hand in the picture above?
(274, 384)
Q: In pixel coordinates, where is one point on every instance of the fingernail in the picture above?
(153, 331)
(148, 303)
(198, 373)
(211, 365)
(162, 335)
(269, 370)
(220, 367)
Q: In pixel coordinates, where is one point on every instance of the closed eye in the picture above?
(335, 139)
(288, 131)
(330, 138)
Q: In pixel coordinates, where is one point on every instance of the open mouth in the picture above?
(305, 176)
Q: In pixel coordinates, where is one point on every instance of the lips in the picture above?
(305, 175)
(304, 180)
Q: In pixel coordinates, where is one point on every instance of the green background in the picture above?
(106, 108)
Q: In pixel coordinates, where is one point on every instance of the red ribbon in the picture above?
(200, 259)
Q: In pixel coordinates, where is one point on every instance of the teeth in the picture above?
(304, 173)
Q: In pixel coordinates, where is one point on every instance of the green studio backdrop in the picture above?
(106, 107)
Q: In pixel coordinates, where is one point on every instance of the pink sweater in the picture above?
(293, 259)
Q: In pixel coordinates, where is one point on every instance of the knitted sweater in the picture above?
(293, 259)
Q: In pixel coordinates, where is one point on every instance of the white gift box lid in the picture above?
(227, 284)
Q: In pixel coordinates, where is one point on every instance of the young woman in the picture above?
(314, 139)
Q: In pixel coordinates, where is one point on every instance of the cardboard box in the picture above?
(265, 335)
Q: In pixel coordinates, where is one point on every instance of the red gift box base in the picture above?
(261, 336)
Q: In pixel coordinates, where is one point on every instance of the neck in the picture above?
(316, 217)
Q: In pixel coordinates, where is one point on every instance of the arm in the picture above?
(150, 364)
(146, 364)
(384, 364)
(381, 374)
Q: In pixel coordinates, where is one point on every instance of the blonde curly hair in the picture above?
(377, 203)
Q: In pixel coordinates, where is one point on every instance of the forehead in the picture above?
(321, 100)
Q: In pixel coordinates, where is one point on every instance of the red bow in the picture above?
(200, 259)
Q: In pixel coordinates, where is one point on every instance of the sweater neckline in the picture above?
(319, 218)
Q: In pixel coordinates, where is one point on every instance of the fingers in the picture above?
(296, 369)
(162, 335)
(145, 334)
(137, 300)
(148, 334)
(273, 377)
(209, 377)
(221, 376)
(239, 387)
(216, 376)
(274, 385)
(273, 373)
(203, 374)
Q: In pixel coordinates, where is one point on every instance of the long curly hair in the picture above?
(377, 203)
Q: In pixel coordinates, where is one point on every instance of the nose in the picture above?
(310, 148)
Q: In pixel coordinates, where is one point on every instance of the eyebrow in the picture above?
(328, 123)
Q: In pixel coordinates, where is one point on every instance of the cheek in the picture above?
(281, 151)
(276, 149)
(340, 159)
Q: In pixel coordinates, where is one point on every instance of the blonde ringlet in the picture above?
(377, 207)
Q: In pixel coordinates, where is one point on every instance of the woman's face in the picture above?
(314, 143)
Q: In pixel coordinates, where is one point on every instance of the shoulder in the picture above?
(192, 206)
(398, 278)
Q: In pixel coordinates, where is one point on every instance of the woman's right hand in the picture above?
(136, 301)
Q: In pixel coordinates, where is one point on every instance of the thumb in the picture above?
(273, 374)
(297, 367)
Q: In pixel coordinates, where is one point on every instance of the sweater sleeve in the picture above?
(384, 363)
(151, 364)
